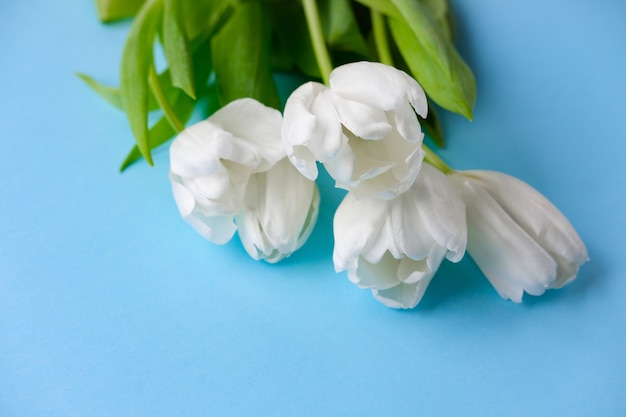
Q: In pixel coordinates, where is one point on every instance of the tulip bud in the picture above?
(519, 240)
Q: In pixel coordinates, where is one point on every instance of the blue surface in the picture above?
(110, 305)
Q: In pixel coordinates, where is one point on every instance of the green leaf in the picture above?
(433, 59)
(241, 56)
(440, 10)
(113, 96)
(108, 93)
(385, 7)
(289, 22)
(110, 10)
(340, 26)
(202, 17)
(183, 105)
(176, 48)
(136, 63)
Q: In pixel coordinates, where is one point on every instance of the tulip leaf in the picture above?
(111, 10)
(113, 96)
(182, 105)
(432, 58)
(340, 26)
(385, 7)
(241, 56)
(441, 13)
(293, 36)
(176, 48)
(110, 94)
(136, 64)
(199, 15)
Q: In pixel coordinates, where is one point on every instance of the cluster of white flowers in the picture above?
(248, 169)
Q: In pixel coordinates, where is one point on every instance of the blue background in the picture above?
(110, 305)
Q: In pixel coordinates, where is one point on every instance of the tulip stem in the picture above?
(317, 38)
(434, 159)
(379, 29)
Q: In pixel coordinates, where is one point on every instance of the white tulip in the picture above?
(279, 212)
(363, 129)
(229, 171)
(394, 247)
(519, 240)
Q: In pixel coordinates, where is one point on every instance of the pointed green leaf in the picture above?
(176, 48)
(433, 59)
(340, 26)
(198, 16)
(136, 63)
(385, 7)
(182, 105)
(108, 93)
(440, 11)
(241, 56)
(110, 10)
(289, 22)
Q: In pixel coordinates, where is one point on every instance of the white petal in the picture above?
(411, 236)
(341, 167)
(377, 85)
(184, 199)
(258, 126)
(379, 275)
(216, 228)
(197, 149)
(281, 209)
(511, 259)
(403, 295)
(328, 136)
(298, 120)
(442, 210)
(356, 224)
(535, 214)
(364, 121)
(311, 130)
(407, 123)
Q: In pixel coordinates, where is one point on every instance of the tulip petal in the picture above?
(378, 85)
(197, 149)
(535, 214)
(277, 210)
(262, 135)
(184, 199)
(364, 121)
(378, 275)
(216, 228)
(442, 210)
(356, 224)
(310, 128)
(510, 259)
(407, 123)
(403, 295)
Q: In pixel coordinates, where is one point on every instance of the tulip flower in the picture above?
(280, 210)
(363, 128)
(394, 247)
(519, 240)
(230, 172)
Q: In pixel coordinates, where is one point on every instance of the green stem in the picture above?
(159, 95)
(317, 38)
(380, 38)
(433, 159)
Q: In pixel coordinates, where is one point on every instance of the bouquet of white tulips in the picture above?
(375, 68)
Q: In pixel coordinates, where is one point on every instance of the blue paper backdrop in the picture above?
(110, 305)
